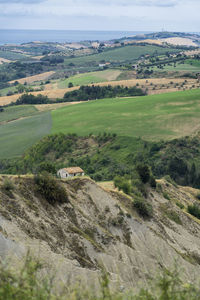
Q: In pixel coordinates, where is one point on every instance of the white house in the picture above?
(70, 172)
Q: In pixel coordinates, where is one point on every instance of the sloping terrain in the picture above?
(98, 228)
(152, 86)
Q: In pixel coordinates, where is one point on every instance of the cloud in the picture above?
(118, 13)
(101, 2)
(21, 1)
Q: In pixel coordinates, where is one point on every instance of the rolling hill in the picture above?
(154, 117)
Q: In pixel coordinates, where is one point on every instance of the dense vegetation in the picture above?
(50, 188)
(105, 156)
(31, 99)
(97, 92)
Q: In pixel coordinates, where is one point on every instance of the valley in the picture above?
(126, 111)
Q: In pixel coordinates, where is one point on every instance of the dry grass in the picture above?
(178, 41)
(34, 78)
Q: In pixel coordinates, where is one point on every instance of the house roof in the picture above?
(73, 170)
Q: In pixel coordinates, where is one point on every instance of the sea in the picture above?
(15, 36)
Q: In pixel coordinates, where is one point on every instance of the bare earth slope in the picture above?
(99, 228)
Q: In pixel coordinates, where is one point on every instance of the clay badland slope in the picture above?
(96, 228)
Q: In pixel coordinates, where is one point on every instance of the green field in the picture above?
(127, 53)
(17, 136)
(16, 112)
(190, 65)
(153, 117)
(4, 92)
(12, 55)
(88, 78)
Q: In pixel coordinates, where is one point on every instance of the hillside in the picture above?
(153, 117)
(156, 117)
(97, 228)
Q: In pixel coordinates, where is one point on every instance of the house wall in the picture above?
(64, 174)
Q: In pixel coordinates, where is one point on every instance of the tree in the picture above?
(70, 85)
(20, 88)
(144, 172)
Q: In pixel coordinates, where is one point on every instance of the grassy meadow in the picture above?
(16, 112)
(154, 117)
(89, 78)
(190, 65)
(19, 135)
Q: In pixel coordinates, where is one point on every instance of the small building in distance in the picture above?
(70, 172)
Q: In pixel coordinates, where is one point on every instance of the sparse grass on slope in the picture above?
(153, 117)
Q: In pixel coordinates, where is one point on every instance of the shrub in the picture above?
(152, 182)
(122, 184)
(166, 196)
(144, 172)
(50, 188)
(172, 215)
(70, 85)
(8, 186)
(198, 196)
(194, 210)
(180, 205)
(144, 208)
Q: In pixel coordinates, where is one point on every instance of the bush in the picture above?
(50, 188)
(166, 196)
(152, 182)
(172, 215)
(8, 186)
(194, 210)
(70, 85)
(144, 208)
(180, 205)
(143, 172)
(122, 184)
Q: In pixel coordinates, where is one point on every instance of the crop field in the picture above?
(89, 78)
(10, 55)
(127, 53)
(153, 86)
(16, 112)
(190, 65)
(17, 136)
(155, 117)
(31, 79)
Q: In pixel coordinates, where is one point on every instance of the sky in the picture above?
(123, 15)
